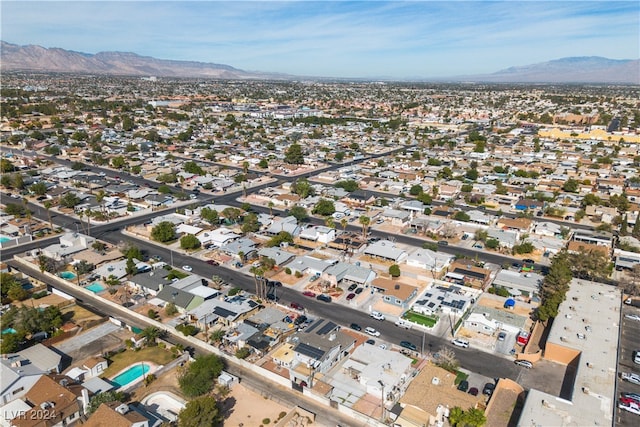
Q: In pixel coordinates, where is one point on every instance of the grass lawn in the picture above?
(460, 376)
(130, 357)
(428, 321)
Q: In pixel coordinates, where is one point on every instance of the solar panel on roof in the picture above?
(223, 312)
(313, 325)
(309, 351)
(328, 327)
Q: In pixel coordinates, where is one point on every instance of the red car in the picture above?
(351, 296)
(309, 294)
(212, 262)
(296, 306)
(629, 401)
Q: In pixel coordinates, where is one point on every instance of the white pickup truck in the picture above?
(401, 323)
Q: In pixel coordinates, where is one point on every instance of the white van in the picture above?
(636, 357)
(401, 323)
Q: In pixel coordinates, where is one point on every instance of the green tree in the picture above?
(170, 309)
(6, 166)
(302, 188)
(462, 216)
(209, 215)
(263, 163)
(294, 155)
(106, 397)
(39, 188)
(198, 378)
(474, 417)
(130, 267)
(364, 222)
(163, 232)
(492, 243)
(201, 412)
(250, 223)
(415, 189)
(324, 207)
(456, 415)
(118, 162)
(189, 241)
(69, 200)
(348, 185)
(150, 335)
(394, 270)
(299, 213)
(193, 167)
(279, 238)
(571, 186)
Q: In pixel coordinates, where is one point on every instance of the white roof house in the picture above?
(429, 260)
(219, 237)
(386, 249)
(70, 243)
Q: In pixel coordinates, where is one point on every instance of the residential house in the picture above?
(310, 265)
(345, 274)
(395, 292)
(523, 285)
(600, 238)
(288, 224)
(506, 238)
(429, 260)
(387, 250)
(280, 256)
(443, 299)
(318, 233)
(69, 244)
(64, 399)
(218, 237)
(546, 228)
(43, 358)
(17, 377)
(522, 225)
(529, 204)
(116, 414)
(183, 300)
(359, 198)
(625, 260)
(375, 368)
(578, 246)
(317, 348)
(226, 311)
(469, 275)
(91, 368)
(399, 218)
(150, 282)
(488, 320)
(243, 248)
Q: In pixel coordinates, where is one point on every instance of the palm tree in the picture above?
(245, 167)
(344, 223)
(27, 213)
(364, 221)
(88, 213)
(100, 199)
(150, 335)
(474, 417)
(47, 206)
(257, 272)
(270, 205)
(456, 415)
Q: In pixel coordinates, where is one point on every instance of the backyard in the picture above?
(128, 358)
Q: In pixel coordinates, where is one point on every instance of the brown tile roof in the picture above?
(63, 401)
(400, 290)
(93, 361)
(587, 247)
(517, 223)
(107, 416)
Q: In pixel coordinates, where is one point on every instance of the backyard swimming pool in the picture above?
(67, 275)
(4, 239)
(9, 331)
(96, 287)
(131, 374)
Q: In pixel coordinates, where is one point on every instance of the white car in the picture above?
(459, 342)
(632, 317)
(524, 363)
(630, 407)
(187, 268)
(372, 331)
(631, 377)
(377, 315)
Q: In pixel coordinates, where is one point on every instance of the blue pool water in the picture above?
(96, 287)
(9, 331)
(67, 275)
(4, 239)
(131, 374)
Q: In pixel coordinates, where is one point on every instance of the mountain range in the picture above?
(33, 58)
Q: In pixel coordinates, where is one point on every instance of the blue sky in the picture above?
(397, 39)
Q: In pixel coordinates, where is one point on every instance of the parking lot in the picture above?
(629, 342)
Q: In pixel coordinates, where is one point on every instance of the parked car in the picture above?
(443, 243)
(371, 331)
(459, 342)
(383, 346)
(401, 323)
(408, 345)
(309, 294)
(324, 298)
(632, 317)
(488, 388)
(377, 315)
(524, 364)
(352, 287)
(631, 377)
(630, 407)
(355, 327)
(273, 297)
(212, 262)
(359, 291)
(523, 338)
(296, 306)
(628, 401)
(351, 296)
(300, 319)
(634, 396)
(370, 342)
(187, 268)
(473, 391)
(636, 357)
(502, 336)
(463, 385)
